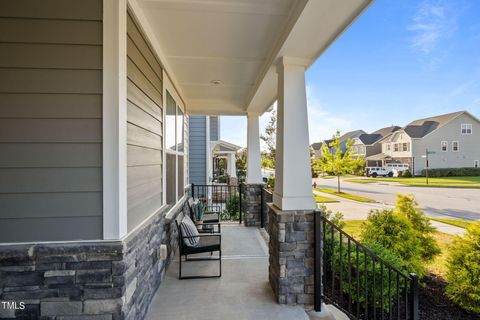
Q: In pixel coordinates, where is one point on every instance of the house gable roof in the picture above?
(343, 138)
(222, 145)
(421, 127)
(372, 138)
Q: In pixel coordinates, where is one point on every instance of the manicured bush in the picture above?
(408, 207)
(452, 172)
(232, 207)
(463, 271)
(396, 234)
(366, 271)
(406, 174)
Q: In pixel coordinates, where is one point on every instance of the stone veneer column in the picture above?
(291, 261)
(253, 204)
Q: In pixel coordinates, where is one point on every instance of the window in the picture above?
(174, 144)
(466, 128)
(388, 146)
(455, 146)
(396, 147)
(405, 146)
(444, 145)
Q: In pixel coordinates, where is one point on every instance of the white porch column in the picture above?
(231, 165)
(293, 177)
(254, 157)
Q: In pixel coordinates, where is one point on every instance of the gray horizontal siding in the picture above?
(197, 149)
(72, 228)
(50, 106)
(50, 31)
(50, 120)
(144, 128)
(52, 9)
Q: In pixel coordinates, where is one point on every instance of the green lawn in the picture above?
(454, 222)
(323, 199)
(436, 266)
(445, 182)
(344, 195)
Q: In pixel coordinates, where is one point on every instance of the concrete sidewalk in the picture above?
(243, 291)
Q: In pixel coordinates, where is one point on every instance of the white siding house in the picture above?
(452, 140)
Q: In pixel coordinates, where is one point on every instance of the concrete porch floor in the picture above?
(243, 291)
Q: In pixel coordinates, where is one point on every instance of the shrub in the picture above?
(232, 207)
(407, 206)
(452, 172)
(396, 234)
(271, 182)
(406, 174)
(463, 270)
(366, 271)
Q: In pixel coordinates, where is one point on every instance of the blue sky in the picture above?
(400, 61)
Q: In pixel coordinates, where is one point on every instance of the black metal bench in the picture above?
(209, 242)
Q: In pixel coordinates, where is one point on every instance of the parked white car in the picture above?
(378, 171)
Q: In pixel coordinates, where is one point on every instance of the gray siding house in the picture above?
(317, 147)
(452, 140)
(95, 101)
(206, 149)
(368, 145)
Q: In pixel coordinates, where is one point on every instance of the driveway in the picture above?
(460, 203)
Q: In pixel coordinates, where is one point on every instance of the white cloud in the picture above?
(321, 123)
(234, 129)
(433, 22)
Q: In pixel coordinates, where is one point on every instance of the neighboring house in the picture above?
(452, 141)
(368, 145)
(209, 157)
(317, 147)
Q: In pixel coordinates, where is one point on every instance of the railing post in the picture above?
(262, 208)
(318, 256)
(193, 190)
(240, 191)
(414, 314)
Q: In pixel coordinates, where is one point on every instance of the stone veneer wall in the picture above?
(291, 261)
(87, 280)
(253, 205)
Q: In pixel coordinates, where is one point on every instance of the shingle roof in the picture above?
(421, 127)
(351, 134)
(317, 145)
(371, 138)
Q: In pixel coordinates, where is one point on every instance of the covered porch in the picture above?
(243, 291)
(94, 122)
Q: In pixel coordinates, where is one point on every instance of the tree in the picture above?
(336, 162)
(270, 140)
(241, 164)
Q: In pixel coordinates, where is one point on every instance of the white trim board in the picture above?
(114, 132)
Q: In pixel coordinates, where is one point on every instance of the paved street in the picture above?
(436, 202)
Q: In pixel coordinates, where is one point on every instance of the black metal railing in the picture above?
(356, 280)
(266, 196)
(227, 200)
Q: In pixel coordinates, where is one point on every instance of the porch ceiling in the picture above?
(238, 42)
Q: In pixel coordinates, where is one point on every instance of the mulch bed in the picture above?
(435, 305)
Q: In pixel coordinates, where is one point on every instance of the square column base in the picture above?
(291, 255)
(253, 205)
